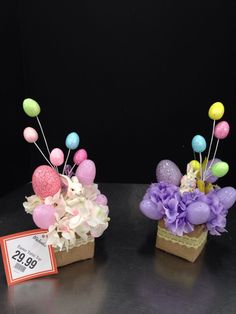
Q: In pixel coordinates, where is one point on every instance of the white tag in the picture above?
(26, 255)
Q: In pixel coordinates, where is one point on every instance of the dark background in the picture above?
(134, 78)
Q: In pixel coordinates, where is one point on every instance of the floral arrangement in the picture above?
(68, 204)
(193, 199)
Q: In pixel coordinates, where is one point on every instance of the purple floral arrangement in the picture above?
(193, 199)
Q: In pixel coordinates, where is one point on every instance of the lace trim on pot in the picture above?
(190, 242)
(77, 243)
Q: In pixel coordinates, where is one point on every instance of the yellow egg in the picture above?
(216, 111)
(195, 164)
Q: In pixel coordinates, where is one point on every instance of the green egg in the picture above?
(220, 169)
(31, 107)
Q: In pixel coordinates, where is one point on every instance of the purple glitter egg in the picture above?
(167, 171)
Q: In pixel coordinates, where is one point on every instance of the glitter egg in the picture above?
(167, 171)
(45, 181)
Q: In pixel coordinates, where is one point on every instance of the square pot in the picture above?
(75, 254)
(188, 246)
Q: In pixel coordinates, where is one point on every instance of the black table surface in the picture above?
(128, 274)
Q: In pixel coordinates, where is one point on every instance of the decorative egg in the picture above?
(45, 181)
(195, 165)
(198, 213)
(101, 199)
(44, 216)
(86, 172)
(80, 156)
(227, 196)
(220, 169)
(151, 210)
(31, 107)
(216, 111)
(198, 143)
(167, 171)
(209, 177)
(30, 135)
(72, 140)
(221, 130)
(57, 157)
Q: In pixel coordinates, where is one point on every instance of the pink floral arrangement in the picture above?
(68, 204)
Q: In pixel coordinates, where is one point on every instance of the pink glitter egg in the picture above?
(221, 130)
(80, 156)
(45, 181)
(57, 157)
(30, 135)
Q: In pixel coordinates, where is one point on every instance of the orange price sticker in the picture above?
(26, 256)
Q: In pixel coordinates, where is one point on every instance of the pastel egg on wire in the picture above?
(221, 130)
(57, 157)
(72, 140)
(31, 107)
(80, 156)
(198, 143)
(220, 169)
(216, 111)
(30, 135)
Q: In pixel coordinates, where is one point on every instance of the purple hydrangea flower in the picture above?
(174, 205)
(181, 225)
(163, 194)
(217, 221)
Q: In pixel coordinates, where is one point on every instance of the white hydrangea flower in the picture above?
(91, 192)
(78, 216)
(31, 203)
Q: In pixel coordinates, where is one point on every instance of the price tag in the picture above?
(26, 255)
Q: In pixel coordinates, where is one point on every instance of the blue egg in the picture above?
(72, 140)
(198, 144)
